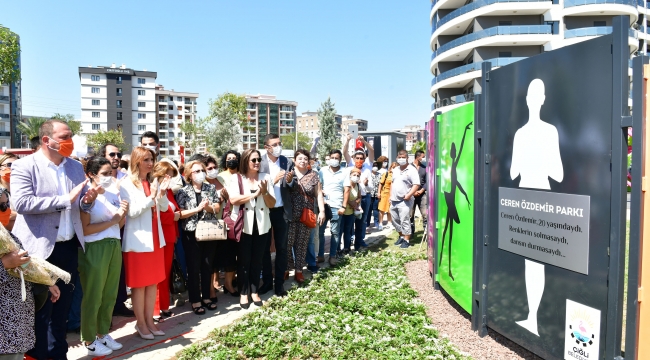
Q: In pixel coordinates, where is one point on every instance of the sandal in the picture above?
(166, 314)
(199, 310)
(210, 305)
(158, 320)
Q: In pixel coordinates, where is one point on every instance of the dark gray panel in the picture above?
(127, 105)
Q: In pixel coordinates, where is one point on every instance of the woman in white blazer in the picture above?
(143, 240)
(258, 196)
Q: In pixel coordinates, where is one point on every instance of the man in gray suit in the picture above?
(278, 166)
(47, 187)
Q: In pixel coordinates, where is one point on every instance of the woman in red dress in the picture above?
(169, 215)
(143, 240)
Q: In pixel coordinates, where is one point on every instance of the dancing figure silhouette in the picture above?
(450, 199)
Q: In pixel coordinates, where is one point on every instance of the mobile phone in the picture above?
(353, 129)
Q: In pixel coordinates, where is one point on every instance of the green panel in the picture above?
(455, 204)
(274, 123)
(262, 124)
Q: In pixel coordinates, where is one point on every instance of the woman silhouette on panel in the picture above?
(450, 199)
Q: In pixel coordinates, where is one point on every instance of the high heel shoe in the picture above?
(233, 293)
(144, 336)
(157, 332)
(244, 306)
(299, 278)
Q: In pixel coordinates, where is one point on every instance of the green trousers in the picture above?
(99, 272)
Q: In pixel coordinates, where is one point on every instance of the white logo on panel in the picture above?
(582, 333)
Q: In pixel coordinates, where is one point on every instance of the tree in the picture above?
(101, 138)
(75, 126)
(193, 133)
(224, 122)
(30, 126)
(420, 145)
(327, 131)
(9, 55)
(289, 141)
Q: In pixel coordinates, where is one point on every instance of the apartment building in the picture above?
(10, 113)
(414, 133)
(466, 34)
(118, 98)
(173, 108)
(350, 120)
(308, 123)
(267, 114)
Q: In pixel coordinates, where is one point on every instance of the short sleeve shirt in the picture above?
(403, 181)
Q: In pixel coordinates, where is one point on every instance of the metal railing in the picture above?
(474, 67)
(4, 97)
(6, 116)
(458, 99)
(476, 5)
(571, 3)
(596, 31)
(494, 31)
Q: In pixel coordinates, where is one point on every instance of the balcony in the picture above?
(571, 3)
(190, 102)
(458, 99)
(4, 98)
(162, 109)
(493, 31)
(476, 5)
(5, 133)
(4, 116)
(496, 62)
(595, 31)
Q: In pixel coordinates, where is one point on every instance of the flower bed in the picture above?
(363, 309)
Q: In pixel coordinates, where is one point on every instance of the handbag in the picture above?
(209, 230)
(176, 279)
(308, 217)
(234, 226)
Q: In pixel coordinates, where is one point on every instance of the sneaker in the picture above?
(405, 245)
(313, 268)
(380, 227)
(399, 241)
(110, 343)
(333, 261)
(96, 348)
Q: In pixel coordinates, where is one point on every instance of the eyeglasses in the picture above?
(7, 165)
(114, 154)
(256, 160)
(211, 168)
(198, 171)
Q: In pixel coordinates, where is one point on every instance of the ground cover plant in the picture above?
(362, 309)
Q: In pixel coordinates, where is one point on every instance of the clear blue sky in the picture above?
(371, 57)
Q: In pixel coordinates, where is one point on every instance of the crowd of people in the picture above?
(123, 221)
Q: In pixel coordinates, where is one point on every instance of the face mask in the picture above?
(374, 169)
(232, 164)
(105, 181)
(401, 161)
(385, 164)
(65, 147)
(277, 150)
(358, 164)
(199, 178)
(212, 174)
(334, 163)
(6, 174)
(354, 179)
(150, 147)
(5, 216)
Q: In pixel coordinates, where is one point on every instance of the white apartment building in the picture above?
(267, 115)
(118, 98)
(173, 108)
(5, 116)
(308, 123)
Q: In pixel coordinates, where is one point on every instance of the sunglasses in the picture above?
(114, 154)
(7, 165)
(256, 160)
(198, 171)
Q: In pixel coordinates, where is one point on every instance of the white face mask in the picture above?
(212, 174)
(354, 179)
(150, 147)
(385, 164)
(374, 169)
(277, 150)
(105, 181)
(198, 178)
(401, 161)
(334, 163)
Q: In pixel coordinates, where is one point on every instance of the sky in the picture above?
(371, 57)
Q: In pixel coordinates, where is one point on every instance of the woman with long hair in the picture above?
(100, 263)
(7, 218)
(143, 242)
(383, 195)
(258, 196)
(170, 212)
(227, 255)
(351, 206)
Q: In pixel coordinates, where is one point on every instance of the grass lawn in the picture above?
(362, 309)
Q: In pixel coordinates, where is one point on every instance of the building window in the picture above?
(178, 98)
(161, 99)
(505, 54)
(141, 92)
(171, 116)
(94, 90)
(118, 91)
(170, 107)
(171, 98)
(142, 127)
(119, 104)
(119, 116)
(142, 116)
(94, 77)
(600, 23)
(505, 23)
(95, 102)
(141, 104)
(119, 80)
(95, 126)
(180, 117)
(141, 81)
(95, 114)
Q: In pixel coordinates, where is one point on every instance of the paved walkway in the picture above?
(184, 328)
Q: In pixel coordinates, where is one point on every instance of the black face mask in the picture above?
(232, 164)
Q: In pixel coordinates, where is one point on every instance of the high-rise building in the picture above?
(173, 108)
(118, 98)
(10, 112)
(308, 123)
(350, 120)
(414, 133)
(467, 33)
(267, 115)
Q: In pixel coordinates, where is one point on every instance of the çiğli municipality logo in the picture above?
(582, 332)
(580, 328)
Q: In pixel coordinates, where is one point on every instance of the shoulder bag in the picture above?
(308, 217)
(209, 230)
(234, 226)
(176, 278)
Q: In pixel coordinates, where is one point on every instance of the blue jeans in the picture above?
(180, 252)
(374, 203)
(335, 228)
(347, 226)
(360, 224)
(311, 249)
(74, 316)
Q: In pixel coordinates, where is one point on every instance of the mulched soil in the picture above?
(454, 323)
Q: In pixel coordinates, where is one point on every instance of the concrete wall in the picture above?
(491, 52)
(576, 22)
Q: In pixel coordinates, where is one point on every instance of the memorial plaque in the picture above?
(549, 227)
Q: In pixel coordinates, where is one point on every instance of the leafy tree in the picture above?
(99, 139)
(9, 54)
(329, 136)
(29, 127)
(224, 122)
(420, 145)
(193, 133)
(289, 141)
(75, 126)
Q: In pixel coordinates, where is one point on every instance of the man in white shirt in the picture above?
(406, 183)
(363, 163)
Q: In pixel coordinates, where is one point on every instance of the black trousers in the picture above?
(250, 251)
(121, 290)
(199, 256)
(280, 230)
(50, 321)
(421, 202)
